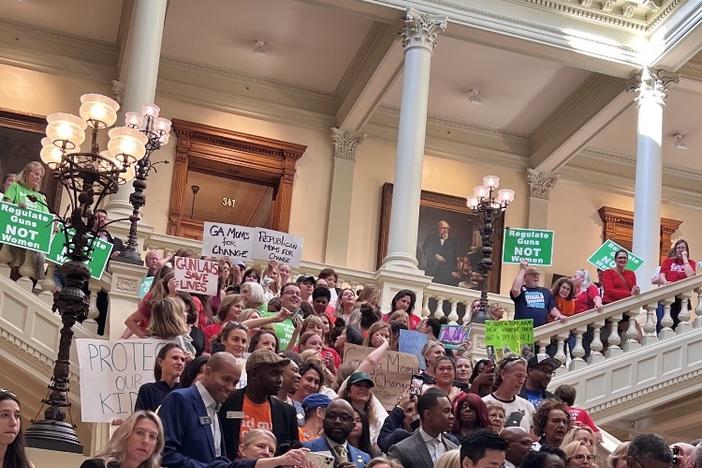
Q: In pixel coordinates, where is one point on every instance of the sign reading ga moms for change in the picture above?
(603, 258)
(98, 258)
(22, 227)
(246, 243)
(535, 246)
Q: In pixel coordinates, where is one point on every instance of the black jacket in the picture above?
(283, 416)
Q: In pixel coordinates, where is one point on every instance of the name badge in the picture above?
(235, 415)
(205, 420)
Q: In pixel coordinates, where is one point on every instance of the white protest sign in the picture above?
(196, 276)
(279, 246)
(227, 240)
(111, 373)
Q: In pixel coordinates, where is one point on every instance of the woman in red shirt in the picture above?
(587, 296)
(679, 267)
(618, 282)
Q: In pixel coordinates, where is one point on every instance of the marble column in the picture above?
(651, 87)
(142, 61)
(418, 39)
(339, 220)
(540, 186)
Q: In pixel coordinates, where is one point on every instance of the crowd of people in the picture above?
(255, 375)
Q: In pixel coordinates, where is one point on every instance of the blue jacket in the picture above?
(355, 456)
(188, 435)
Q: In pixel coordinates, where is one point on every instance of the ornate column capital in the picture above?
(421, 29)
(540, 183)
(118, 91)
(345, 143)
(652, 85)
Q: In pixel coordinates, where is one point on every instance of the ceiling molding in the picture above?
(677, 39)
(581, 116)
(629, 160)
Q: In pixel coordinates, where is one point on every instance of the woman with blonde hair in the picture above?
(579, 434)
(25, 193)
(271, 281)
(384, 462)
(579, 455)
(617, 459)
(137, 443)
(168, 321)
(449, 459)
(430, 352)
(164, 285)
(260, 445)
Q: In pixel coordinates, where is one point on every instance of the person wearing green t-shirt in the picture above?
(25, 193)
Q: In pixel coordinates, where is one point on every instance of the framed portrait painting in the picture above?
(20, 143)
(448, 240)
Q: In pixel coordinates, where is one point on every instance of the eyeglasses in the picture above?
(345, 418)
(146, 435)
(582, 457)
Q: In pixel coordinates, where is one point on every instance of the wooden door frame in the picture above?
(260, 159)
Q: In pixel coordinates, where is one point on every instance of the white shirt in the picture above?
(210, 405)
(435, 445)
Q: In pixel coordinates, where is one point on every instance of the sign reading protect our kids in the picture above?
(535, 246)
(603, 258)
(22, 227)
(98, 258)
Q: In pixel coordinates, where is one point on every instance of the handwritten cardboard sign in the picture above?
(111, 373)
(453, 335)
(227, 240)
(196, 276)
(412, 342)
(392, 375)
(279, 246)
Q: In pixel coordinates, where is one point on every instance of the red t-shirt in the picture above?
(582, 416)
(615, 287)
(586, 299)
(674, 269)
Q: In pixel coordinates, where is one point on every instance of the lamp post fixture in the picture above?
(157, 131)
(88, 177)
(487, 207)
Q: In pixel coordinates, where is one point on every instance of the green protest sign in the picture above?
(98, 259)
(535, 246)
(509, 335)
(603, 258)
(22, 227)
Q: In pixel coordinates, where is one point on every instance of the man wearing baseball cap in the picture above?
(253, 407)
(314, 406)
(539, 373)
(306, 285)
(530, 300)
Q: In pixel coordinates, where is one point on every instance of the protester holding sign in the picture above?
(618, 282)
(25, 193)
(530, 300)
(675, 269)
(164, 285)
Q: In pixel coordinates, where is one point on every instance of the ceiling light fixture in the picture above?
(678, 141)
(260, 47)
(474, 97)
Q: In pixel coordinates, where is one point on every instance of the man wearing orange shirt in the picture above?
(253, 407)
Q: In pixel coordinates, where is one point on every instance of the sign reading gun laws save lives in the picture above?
(22, 227)
(245, 243)
(534, 246)
(111, 373)
(196, 276)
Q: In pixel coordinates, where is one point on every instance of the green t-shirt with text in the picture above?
(18, 194)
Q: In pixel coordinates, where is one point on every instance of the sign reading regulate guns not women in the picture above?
(535, 246)
(22, 227)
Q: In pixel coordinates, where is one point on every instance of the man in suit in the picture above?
(484, 449)
(338, 424)
(253, 407)
(193, 435)
(440, 256)
(428, 443)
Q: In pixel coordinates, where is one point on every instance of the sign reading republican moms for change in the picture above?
(196, 276)
(535, 246)
(281, 247)
(22, 227)
(603, 258)
(98, 258)
(111, 373)
(227, 240)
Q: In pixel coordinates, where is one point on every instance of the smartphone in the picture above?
(320, 460)
(491, 353)
(416, 386)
